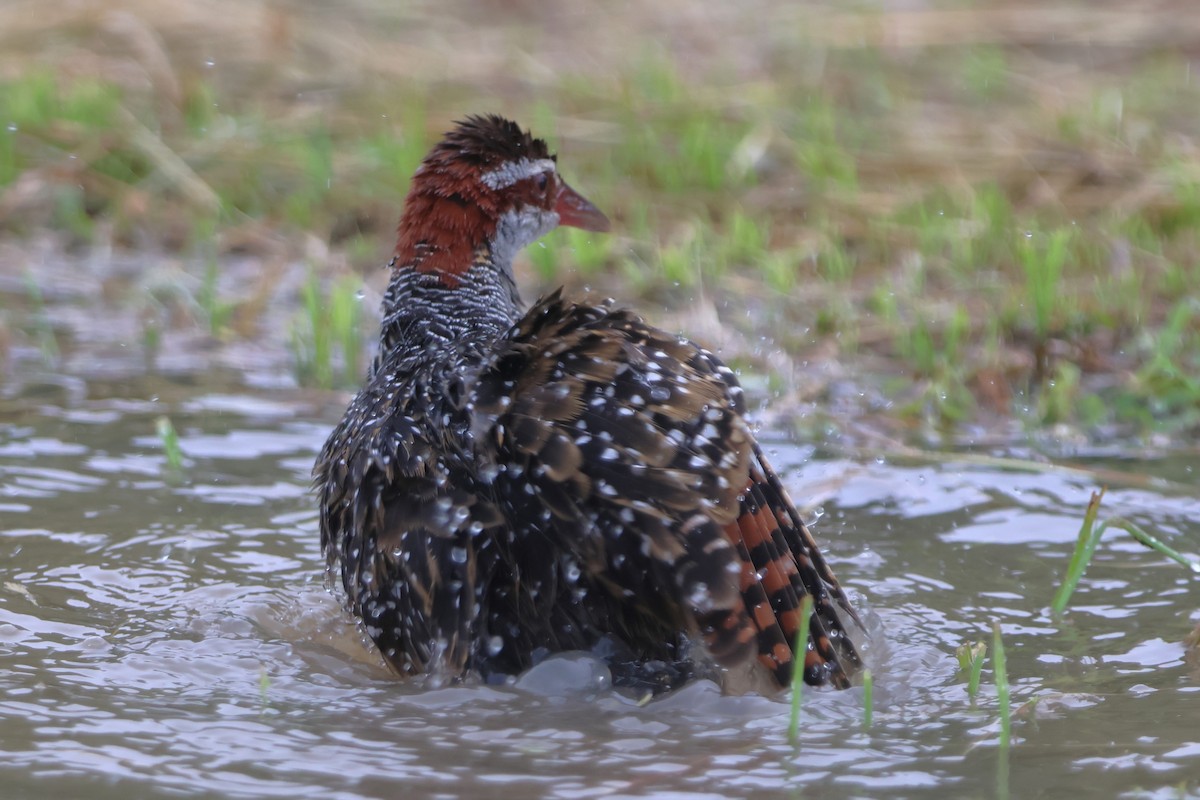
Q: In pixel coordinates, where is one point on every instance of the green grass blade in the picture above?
(1085, 548)
(344, 320)
(1000, 668)
(1151, 541)
(1089, 537)
(47, 344)
(170, 442)
(264, 686)
(1002, 775)
(970, 660)
(868, 698)
(801, 649)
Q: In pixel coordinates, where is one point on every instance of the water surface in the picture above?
(170, 634)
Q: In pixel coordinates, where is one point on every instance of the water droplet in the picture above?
(458, 555)
(494, 645)
(12, 127)
(208, 62)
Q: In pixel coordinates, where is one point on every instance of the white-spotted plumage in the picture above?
(511, 483)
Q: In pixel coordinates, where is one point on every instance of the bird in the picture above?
(515, 482)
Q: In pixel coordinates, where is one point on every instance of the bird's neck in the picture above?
(430, 313)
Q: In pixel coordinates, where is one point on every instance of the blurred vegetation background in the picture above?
(949, 216)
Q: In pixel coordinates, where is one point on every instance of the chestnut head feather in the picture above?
(486, 184)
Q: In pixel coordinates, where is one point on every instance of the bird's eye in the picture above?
(542, 180)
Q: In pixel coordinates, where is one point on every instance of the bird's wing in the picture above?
(628, 446)
(781, 563)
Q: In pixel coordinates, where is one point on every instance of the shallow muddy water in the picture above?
(171, 635)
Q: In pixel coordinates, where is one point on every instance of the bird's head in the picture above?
(486, 183)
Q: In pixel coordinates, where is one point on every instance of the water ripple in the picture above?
(170, 633)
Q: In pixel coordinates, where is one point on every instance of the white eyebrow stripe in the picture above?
(513, 171)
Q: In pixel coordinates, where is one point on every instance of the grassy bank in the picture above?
(978, 213)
